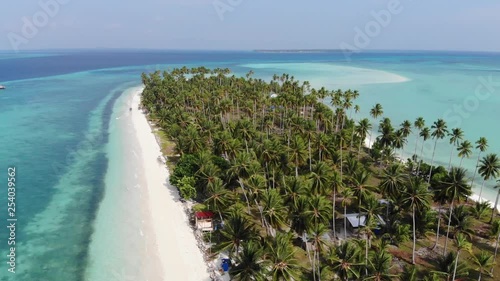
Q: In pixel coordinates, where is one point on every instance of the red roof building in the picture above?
(204, 220)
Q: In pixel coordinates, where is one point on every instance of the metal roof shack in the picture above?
(204, 220)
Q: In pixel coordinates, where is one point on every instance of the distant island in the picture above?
(301, 51)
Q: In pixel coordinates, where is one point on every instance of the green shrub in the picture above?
(186, 167)
(186, 187)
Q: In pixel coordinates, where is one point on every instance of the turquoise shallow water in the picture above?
(55, 123)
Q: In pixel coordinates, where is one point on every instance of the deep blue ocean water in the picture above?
(55, 113)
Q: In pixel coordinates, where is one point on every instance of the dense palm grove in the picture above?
(281, 170)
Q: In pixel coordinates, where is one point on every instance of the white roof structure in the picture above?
(357, 221)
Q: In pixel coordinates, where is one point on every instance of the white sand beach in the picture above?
(179, 255)
(141, 231)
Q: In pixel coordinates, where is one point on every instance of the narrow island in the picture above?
(283, 186)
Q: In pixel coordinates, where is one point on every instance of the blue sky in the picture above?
(250, 24)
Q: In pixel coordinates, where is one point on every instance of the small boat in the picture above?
(2, 87)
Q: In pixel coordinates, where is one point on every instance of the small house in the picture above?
(204, 220)
(355, 221)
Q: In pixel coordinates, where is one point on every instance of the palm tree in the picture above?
(241, 167)
(375, 113)
(316, 233)
(300, 216)
(371, 208)
(416, 197)
(282, 263)
(461, 221)
(482, 261)
(446, 268)
(319, 210)
(410, 273)
(462, 244)
(379, 266)
(480, 209)
(361, 188)
(392, 181)
(482, 145)
(425, 133)
(495, 234)
(439, 132)
(249, 264)
(236, 229)
(456, 136)
(320, 178)
(419, 124)
(464, 151)
(399, 140)
(405, 130)
(294, 188)
(344, 260)
(495, 206)
(273, 210)
(336, 185)
(347, 196)
(298, 152)
(362, 130)
(454, 187)
(218, 196)
(489, 168)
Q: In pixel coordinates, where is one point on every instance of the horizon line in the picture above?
(318, 50)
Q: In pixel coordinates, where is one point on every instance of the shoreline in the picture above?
(179, 255)
(123, 245)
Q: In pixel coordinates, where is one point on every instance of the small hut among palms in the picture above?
(204, 220)
(356, 222)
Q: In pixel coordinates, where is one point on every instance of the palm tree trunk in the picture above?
(310, 155)
(461, 160)
(475, 169)
(480, 273)
(370, 141)
(451, 155)
(414, 238)
(438, 224)
(448, 230)
(456, 264)
(366, 256)
(359, 214)
(314, 264)
(345, 221)
(333, 213)
(304, 238)
(494, 209)
(432, 161)
(421, 155)
(496, 251)
(416, 145)
(319, 272)
(245, 194)
(262, 218)
(359, 148)
(481, 192)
